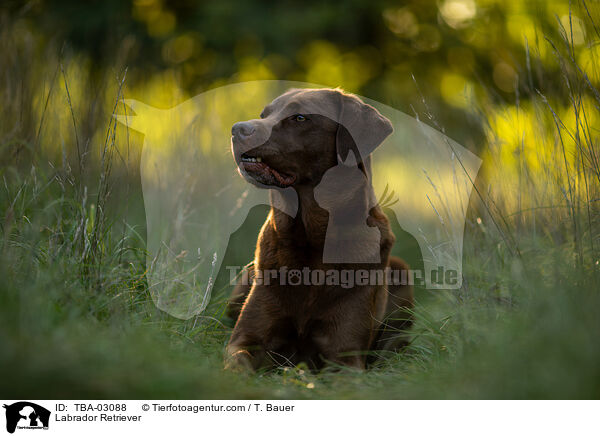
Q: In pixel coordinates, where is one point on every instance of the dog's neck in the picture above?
(308, 226)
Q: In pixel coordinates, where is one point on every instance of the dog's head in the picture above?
(303, 133)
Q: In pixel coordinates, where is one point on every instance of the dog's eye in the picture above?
(299, 118)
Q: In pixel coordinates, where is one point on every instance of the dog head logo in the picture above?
(194, 198)
(26, 415)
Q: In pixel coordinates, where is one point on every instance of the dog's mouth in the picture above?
(255, 167)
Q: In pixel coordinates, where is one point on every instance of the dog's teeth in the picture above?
(258, 159)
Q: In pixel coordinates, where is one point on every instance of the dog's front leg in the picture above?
(347, 336)
(240, 359)
(342, 350)
(245, 351)
(351, 360)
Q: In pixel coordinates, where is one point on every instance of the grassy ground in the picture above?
(77, 321)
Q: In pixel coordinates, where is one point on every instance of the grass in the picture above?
(77, 320)
(513, 332)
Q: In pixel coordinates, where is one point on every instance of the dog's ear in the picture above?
(344, 144)
(361, 127)
(350, 160)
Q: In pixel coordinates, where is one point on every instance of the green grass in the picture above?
(520, 327)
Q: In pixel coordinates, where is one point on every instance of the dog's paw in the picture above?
(240, 361)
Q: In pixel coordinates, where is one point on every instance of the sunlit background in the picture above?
(451, 63)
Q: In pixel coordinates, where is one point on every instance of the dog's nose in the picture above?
(242, 129)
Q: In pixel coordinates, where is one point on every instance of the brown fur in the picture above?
(286, 325)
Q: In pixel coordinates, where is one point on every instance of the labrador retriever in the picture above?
(311, 148)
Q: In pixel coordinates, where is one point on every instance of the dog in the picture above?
(311, 148)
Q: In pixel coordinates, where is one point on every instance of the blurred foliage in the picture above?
(369, 47)
(516, 82)
(455, 55)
